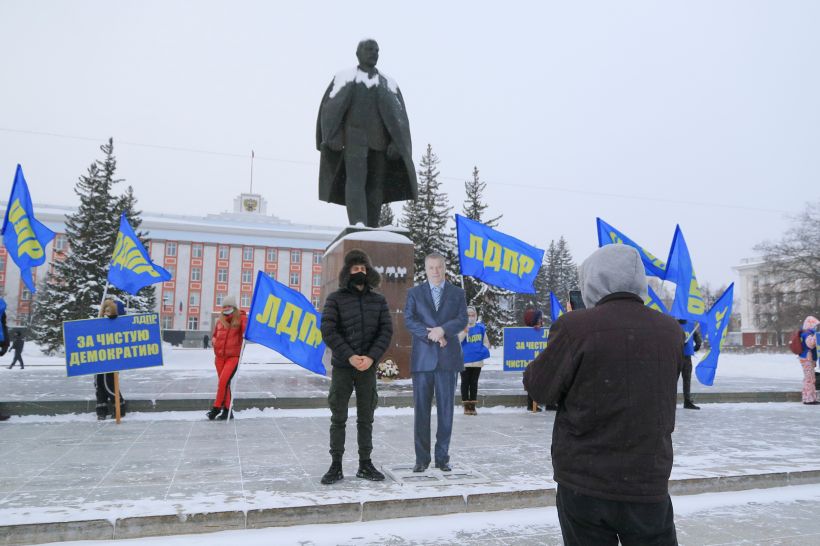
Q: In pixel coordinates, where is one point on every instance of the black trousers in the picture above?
(686, 374)
(17, 358)
(342, 383)
(469, 383)
(104, 390)
(588, 520)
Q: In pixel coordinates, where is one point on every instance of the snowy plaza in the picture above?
(744, 471)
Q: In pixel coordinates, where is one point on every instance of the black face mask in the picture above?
(358, 279)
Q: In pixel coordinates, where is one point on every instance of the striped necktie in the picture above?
(436, 296)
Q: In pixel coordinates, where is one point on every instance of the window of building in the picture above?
(272, 274)
(317, 258)
(196, 251)
(247, 253)
(196, 273)
(2, 263)
(60, 242)
(193, 299)
(294, 279)
(270, 256)
(170, 248)
(25, 295)
(220, 297)
(247, 276)
(167, 297)
(167, 322)
(193, 322)
(245, 300)
(317, 279)
(223, 253)
(315, 301)
(758, 339)
(295, 256)
(222, 274)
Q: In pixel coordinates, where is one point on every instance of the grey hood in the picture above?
(610, 269)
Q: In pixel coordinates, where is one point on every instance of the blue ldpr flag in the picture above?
(131, 268)
(653, 301)
(716, 328)
(497, 258)
(25, 238)
(608, 235)
(2, 310)
(688, 303)
(555, 307)
(284, 320)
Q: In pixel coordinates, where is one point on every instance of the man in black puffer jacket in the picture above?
(357, 328)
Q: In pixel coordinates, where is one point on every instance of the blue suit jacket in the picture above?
(420, 314)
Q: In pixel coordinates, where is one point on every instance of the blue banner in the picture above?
(521, 345)
(688, 303)
(284, 320)
(496, 258)
(716, 329)
(25, 238)
(131, 269)
(653, 301)
(608, 235)
(2, 310)
(104, 345)
(555, 307)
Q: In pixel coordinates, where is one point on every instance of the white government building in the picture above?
(209, 257)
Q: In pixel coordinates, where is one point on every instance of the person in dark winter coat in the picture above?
(356, 327)
(692, 345)
(17, 347)
(104, 382)
(613, 369)
(4, 343)
(227, 343)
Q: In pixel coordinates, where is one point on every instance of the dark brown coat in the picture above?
(613, 372)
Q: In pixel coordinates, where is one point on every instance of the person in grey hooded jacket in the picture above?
(612, 369)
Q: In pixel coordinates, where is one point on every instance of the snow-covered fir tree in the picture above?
(426, 218)
(386, 217)
(561, 272)
(74, 288)
(494, 304)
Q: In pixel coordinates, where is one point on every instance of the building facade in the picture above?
(209, 257)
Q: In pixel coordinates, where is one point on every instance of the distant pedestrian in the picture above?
(613, 369)
(533, 318)
(4, 342)
(808, 359)
(17, 347)
(205, 341)
(476, 348)
(104, 387)
(356, 327)
(692, 345)
(227, 343)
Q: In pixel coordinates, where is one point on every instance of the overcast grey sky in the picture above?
(647, 114)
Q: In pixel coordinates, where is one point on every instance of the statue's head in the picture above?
(368, 53)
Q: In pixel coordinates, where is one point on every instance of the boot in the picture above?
(369, 472)
(334, 473)
(688, 404)
(466, 407)
(472, 408)
(102, 412)
(225, 415)
(212, 413)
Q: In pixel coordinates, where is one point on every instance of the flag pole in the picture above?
(105, 293)
(252, 154)
(230, 406)
(117, 414)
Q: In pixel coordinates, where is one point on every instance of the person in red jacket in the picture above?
(227, 343)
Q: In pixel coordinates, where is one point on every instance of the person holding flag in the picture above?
(476, 347)
(227, 343)
(357, 328)
(692, 345)
(104, 386)
(4, 341)
(808, 359)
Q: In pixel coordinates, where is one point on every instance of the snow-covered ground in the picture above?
(730, 365)
(771, 516)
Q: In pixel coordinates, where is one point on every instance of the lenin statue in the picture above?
(364, 139)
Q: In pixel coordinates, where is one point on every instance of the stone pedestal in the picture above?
(392, 255)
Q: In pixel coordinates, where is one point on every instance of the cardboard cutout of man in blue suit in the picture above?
(436, 311)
